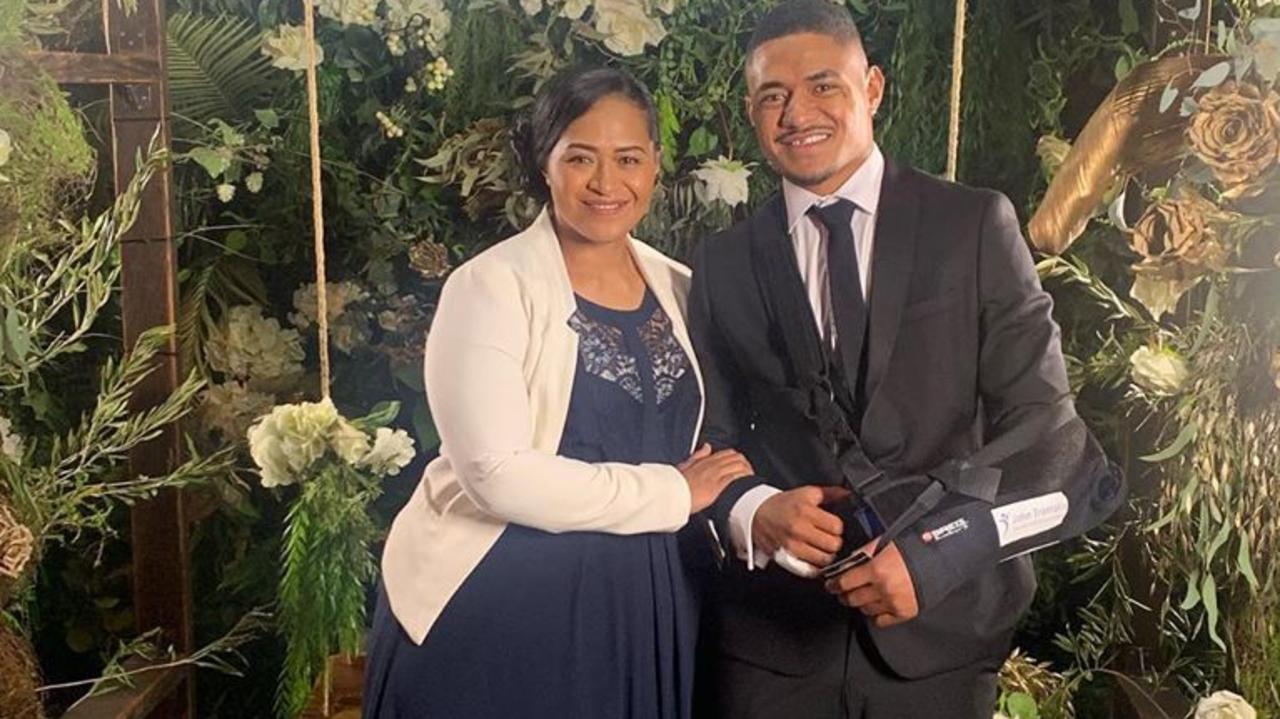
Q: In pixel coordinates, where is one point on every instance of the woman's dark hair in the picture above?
(565, 98)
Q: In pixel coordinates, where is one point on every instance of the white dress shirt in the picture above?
(809, 238)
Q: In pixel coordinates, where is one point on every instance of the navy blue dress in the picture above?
(580, 624)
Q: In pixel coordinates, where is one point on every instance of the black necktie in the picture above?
(845, 285)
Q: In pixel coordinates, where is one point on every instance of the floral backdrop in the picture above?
(1165, 281)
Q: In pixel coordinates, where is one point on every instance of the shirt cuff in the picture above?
(741, 517)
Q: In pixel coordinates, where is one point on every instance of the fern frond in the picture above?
(216, 67)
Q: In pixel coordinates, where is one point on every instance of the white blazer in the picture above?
(500, 364)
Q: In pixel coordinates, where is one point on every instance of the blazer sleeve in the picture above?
(726, 409)
(479, 398)
(1021, 373)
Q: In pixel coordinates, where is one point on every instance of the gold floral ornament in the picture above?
(16, 545)
(1180, 240)
(1129, 134)
(1235, 130)
(430, 259)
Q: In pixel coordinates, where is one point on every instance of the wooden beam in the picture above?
(149, 689)
(161, 555)
(74, 68)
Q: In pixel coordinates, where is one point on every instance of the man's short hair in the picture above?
(792, 17)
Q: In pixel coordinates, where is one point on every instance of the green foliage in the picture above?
(327, 563)
(51, 163)
(216, 68)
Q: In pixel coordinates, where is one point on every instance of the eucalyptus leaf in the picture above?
(1219, 539)
(1184, 438)
(1021, 705)
(1188, 107)
(1192, 13)
(1245, 563)
(381, 415)
(1209, 594)
(1214, 76)
(1167, 97)
(1192, 599)
(1128, 17)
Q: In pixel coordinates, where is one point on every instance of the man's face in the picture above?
(811, 98)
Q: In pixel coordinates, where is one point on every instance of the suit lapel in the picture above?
(893, 258)
(782, 288)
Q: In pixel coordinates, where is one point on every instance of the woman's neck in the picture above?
(604, 272)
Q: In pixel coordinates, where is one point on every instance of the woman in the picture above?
(535, 571)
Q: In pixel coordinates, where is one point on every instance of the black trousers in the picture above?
(860, 687)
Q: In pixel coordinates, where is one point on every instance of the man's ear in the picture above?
(746, 110)
(875, 87)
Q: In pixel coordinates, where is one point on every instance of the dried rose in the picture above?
(1236, 132)
(430, 259)
(1178, 238)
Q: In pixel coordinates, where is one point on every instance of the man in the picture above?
(878, 344)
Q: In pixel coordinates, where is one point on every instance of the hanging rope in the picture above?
(957, 71)
(317, 199)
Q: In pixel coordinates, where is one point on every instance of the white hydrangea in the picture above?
(230, 407)
(349, 443)
(226, 192)
(392, 450)
(349, 12)
(249, 345)
(531, 7)
(348, 327)
(1159, 371)
(432, 13)
(1225, 705)
(287, 48)
(287, 441)
(627, 26)
(724, 180)
(11, 444)
(6, 147)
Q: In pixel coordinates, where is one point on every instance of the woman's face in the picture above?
(602, 171)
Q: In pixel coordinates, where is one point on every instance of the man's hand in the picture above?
(794, 521)
(881, 589)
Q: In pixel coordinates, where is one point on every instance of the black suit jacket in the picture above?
(962, 347)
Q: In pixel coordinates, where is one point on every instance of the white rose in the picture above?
(349, 443)
(626, 26)
(531, 7)
(724, 180)
(287, 48)
(226, 192)
(253, 183)
(1158, 371)
(392, 450)
(6, 147)
(1225, 705)
(10, 441)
